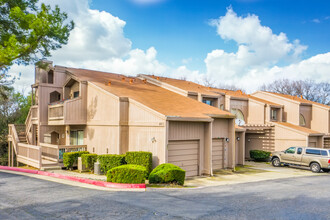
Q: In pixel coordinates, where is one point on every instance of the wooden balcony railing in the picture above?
(34, 112)
(55, 152)
(56, 112)
(68, 112)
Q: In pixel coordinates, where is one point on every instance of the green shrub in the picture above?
(109, 161)
(70, 158)
(167, 173)
(88, 160)
(129, 173)
(259, 155)
(140, 158)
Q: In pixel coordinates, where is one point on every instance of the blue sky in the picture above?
(179, 28)
(242, 42)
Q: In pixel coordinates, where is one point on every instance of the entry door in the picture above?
(218, 154)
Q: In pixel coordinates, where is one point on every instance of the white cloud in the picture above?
(259, 55)
(98, 42)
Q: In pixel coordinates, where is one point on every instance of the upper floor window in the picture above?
(54, 97)
(274, 114)
(50, 77)
(302, 121)
(208, 102)
(239, 116)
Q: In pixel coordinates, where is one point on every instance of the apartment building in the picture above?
(106, 113)
(264, 119)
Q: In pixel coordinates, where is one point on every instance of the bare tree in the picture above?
(307, 89)
(207, 81)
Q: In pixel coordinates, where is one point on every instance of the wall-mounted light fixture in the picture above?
(227, 139)
(107, 150)
(237, 138)
(249, 140)
(153, 140)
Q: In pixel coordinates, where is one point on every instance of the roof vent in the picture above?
(131, 81)
(109, 83)
(123, 79)
(157, 78)
(301, 97)
(144, 81)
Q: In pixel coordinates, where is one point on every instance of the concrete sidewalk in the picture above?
(252, 172)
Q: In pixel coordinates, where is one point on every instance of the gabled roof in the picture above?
(185, 85)
(298, 128)
(298, 99)
(154, 97)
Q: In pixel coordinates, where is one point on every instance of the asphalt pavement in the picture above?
(24, 197)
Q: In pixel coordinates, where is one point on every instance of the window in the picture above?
(51, 77)
(54, 97)
(76, 94)
(313, 151)
(76, 137)
(274, 114)
(291, 150)
(208, 102)
(299, 151)
(239, 116)
(324, 153)
(302, 121)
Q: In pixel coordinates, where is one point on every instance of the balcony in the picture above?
(71, 111)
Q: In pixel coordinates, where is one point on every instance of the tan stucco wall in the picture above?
(147, 132)
(291, 109)
(286, 137)
(102, 121)
(320, 119)
(256, 112)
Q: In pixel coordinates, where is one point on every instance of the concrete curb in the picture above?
(77, 179)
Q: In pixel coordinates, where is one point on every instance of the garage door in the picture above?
(184, 154)
(218, 154)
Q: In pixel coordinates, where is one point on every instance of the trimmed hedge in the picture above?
(128, 173)
(140, 158)
(167, 173)
(259, 155)
(109, 161)
(88, 160)
(70, 158)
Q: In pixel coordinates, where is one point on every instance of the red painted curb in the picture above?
(78, 179)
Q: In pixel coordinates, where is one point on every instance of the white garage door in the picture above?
(218, 154)
(184, 154)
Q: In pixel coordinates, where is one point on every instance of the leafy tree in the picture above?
(14, 107)
(28, 31)
(308, 89)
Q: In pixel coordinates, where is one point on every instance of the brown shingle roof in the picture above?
(299, 99)
(186, 85)
(296, 127)
(159, 99)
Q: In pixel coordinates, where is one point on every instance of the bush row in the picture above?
(259, 155)
(109, 161)
(133, 167)
(71, 158)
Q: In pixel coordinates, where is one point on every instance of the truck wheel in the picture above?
(315, 167)
(276, 162)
